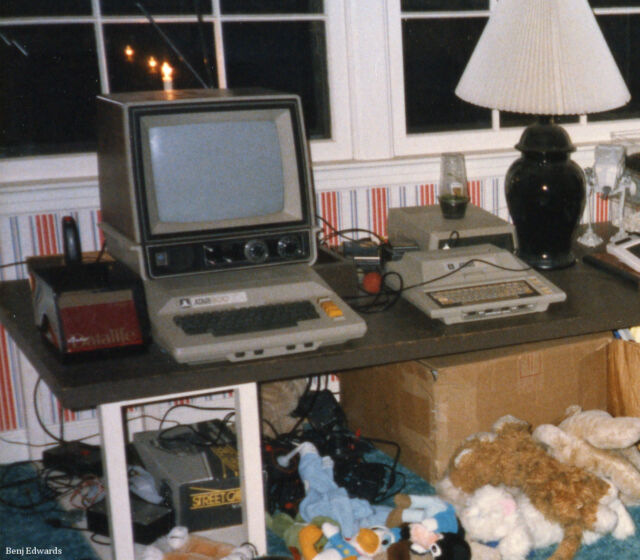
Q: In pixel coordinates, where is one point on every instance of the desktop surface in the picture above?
(596, 301)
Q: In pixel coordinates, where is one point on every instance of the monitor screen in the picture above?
(218, 169)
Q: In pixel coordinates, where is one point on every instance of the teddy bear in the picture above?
(600, 443)
(577, 500)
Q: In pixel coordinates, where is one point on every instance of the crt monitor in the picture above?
(195, 181)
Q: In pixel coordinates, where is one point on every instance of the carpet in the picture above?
(604, 549)
(23, 524)
(31, 520)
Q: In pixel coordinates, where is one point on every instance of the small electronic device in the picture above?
(473, 283)
(199, 479)
(148, 521)
(87, 308)
(208, 196)
(429, 230)
(627, 251)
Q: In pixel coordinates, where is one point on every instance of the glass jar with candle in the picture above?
(453, 194)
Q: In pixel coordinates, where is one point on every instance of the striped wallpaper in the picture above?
(24, 235)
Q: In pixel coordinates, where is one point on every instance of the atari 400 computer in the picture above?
(464, 270)
(208, 196)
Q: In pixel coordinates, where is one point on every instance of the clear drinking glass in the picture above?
(453, 193)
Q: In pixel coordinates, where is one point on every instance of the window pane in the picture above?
(286, 56)
(131, 72)
(443, 5)
(271, 6)
(436, 52)
(47, 98)
(612, 3)
(621, 33)
(154, 7)
(520, 119)
(17, 8)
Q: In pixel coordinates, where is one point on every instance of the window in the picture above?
(437, 39)
(619, 21)
(55, 57)
(377, 79)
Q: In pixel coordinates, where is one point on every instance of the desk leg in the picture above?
(115, 466)
(250, 455)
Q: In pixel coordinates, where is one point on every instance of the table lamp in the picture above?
(545, 58)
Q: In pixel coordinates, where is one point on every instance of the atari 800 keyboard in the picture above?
(268, 312)
(473, 283)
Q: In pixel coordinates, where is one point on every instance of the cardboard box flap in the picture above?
(506, 352)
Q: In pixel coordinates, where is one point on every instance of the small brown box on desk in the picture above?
(87, 308)
(429, 406)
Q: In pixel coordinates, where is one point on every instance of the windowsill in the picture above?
(29, 176)
(33, 169)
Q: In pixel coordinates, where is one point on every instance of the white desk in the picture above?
(112, 429)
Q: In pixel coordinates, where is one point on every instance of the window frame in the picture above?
(336, 147)
(366, 92)
(482, 140)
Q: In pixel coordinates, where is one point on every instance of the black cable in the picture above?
(386, 298)
(39, 418)
(194, 406)
(17, 263)
(454, 237)
(372, 305)
(464, 265)
(303, 414)
(342, 232)
(101, 252)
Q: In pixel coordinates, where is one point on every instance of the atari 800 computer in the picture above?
(208, 196)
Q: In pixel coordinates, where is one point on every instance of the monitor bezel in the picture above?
(291, 106)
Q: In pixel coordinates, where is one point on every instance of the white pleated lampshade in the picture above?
(545, 57)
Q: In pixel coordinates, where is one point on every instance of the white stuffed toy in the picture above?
(509, 521)
(599, 443)
(492, 516)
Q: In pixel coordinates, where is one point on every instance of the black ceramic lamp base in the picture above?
(545, 194)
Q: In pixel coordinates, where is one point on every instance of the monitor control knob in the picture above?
(256, 251)
(289, 246)
(211, 255)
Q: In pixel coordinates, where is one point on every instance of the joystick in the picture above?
(71, 241)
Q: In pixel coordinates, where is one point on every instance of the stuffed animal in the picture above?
(401, 550)
(433, 526)
(441, 546)
(575, 499)
(288, 529)
(425, 509)
(365, 544)
(599, 443)
(496, 516)
(178, 544)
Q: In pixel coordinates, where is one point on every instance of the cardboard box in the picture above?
(428, 407)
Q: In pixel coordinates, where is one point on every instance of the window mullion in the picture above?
(100, 48)
(218, 39)
(368, 64)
